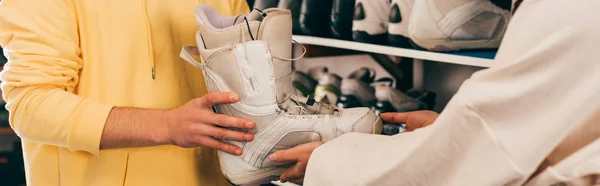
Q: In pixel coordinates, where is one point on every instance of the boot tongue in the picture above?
(231, 33)
(276, 31)
(274, 27)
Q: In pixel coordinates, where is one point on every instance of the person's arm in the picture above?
(191, 125)
(41, 41)
(501, 124)
(300, 154)
(134, 127)
(413, 120)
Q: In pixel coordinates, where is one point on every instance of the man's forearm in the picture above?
(133, 127)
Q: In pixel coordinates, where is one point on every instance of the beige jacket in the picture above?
(531, 119)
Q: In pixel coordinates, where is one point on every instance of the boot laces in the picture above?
(307, 106)
(296, 104)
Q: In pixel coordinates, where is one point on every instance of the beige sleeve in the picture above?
(503, 121)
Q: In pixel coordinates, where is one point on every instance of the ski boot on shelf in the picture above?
(315, 16)
(357, 90)
(427, 98)
(370, 23)
(318, 72)
(250, 56)
(390, 99)
(442, 25)
(328, 89)
(341, 19)
(306, 83)
(399, 21)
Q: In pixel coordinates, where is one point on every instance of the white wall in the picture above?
(442, 78)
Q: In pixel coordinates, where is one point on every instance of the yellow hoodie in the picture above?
(71, 61)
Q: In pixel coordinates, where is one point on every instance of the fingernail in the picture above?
(233, 97)
(249, 137)
(238, 152)
(273, 157)
(249, 125)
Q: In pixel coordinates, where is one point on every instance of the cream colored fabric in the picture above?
(504, 121)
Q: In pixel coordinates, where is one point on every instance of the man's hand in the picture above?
(195, 124)
(299, 154)
(191, 125)
(413, 120)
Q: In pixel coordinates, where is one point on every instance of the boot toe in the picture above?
(361, 120)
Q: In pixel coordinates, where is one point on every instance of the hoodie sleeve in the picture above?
(40, 39)
(501, 124)
(240, 7)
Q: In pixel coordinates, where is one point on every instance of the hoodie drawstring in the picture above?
(149, 39)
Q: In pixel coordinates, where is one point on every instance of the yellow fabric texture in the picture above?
(71, 62)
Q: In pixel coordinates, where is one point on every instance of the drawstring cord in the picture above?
(149, 37)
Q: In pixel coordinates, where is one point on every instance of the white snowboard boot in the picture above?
(249, 55)
(370, 23)
(452, 25)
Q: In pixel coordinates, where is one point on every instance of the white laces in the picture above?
(318, 108)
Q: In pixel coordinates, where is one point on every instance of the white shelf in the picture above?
(395, 51)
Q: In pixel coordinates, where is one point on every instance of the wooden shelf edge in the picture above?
(394, 51)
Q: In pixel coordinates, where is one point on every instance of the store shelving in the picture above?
(6, 131)
(470, 58)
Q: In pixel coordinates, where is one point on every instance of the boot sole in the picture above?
(446, 45)
(261, 176)
(255, 177)
(399, 41)
(364, 37)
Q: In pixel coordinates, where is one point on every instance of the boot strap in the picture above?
(186, 54)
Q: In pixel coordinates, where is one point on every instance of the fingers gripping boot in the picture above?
(251, 67)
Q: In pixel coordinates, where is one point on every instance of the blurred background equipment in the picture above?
(357, 90)
(433, 25)
(366, 84)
